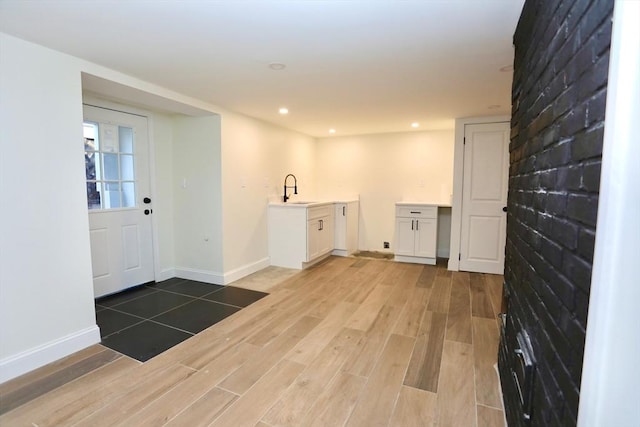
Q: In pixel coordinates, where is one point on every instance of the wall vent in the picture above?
(523, 372)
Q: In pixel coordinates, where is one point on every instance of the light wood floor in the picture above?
(350, 342)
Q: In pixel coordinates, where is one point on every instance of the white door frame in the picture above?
(458, 173)
(92, 100)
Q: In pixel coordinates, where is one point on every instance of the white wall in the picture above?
(384, 169)
(197, 198)
(163, 191)
(256, 158)
(46, 290)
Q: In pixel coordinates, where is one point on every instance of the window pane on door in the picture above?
(109, 166)
(126, 167)
(92, 164)
(128, 195)
(125, 135)
(93, 195)
(111, 195)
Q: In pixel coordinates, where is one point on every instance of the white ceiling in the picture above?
(357, 66)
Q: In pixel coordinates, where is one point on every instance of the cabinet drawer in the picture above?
(319, 211)
(417, 211)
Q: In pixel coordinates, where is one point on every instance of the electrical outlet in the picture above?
(385, 245)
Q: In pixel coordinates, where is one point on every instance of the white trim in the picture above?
(36, 357)
(458, 174)
(166, 274)
(206, 276)
(95, 100)
(153, 189)
(415, 259)
(316, 260)
(246, 270)
(610, 372)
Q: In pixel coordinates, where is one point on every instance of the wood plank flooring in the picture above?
(350, 342)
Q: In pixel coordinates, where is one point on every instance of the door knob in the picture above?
(147, 211)
(504, 209)
(146, 200)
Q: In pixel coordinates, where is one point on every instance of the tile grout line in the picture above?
(151, 318)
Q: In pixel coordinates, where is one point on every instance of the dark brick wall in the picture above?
(558, 106)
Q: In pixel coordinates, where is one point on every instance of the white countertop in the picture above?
(438, 204)
(300, 204)
(306, 203)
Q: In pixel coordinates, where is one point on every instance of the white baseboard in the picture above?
(199, 275)
(166, 274)
(215, 277)
(415, 259)
(316, 260)
(246, 270)
(26, 361)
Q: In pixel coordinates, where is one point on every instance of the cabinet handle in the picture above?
(416, 212)
(417, 222)
(411, 224)
(320, 225)
(343, 210)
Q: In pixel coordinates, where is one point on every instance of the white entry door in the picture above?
(484, 198)
(118, 198)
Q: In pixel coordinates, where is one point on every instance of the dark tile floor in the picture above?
(145, 321)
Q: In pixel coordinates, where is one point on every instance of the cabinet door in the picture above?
(353, 213)
(341, 212)
(313, 239)
(405, 236)
(326, 235)
(426, 233)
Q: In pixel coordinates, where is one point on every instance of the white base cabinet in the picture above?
(319, 231)
(346, 228)
(416, 233)
(300, 235)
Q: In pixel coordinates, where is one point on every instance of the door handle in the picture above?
(504, 209)
(148, 211)
(146, 200)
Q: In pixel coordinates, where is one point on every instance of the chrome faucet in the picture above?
(295, 187)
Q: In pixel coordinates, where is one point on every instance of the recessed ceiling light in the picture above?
(283, 111)
(277, 66)
(332, 131)
(415, 125)
(506, 68)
